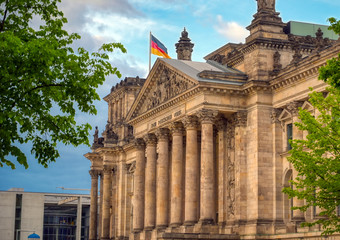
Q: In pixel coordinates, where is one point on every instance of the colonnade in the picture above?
(196, 189)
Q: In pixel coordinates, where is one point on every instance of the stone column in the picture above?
(114, 114)
(177, 174)
(150, 181)
(162, 183)
(191, 171)
(93, 206)
(222, 170)
(138, 195)
(106, 203)
(293, 108)
(207, 207)
(101, 191)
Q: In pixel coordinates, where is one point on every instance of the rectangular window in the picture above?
(289, 135)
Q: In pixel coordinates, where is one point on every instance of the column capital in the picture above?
(107, 170)
(176, 128)
(150, 139)
(207, 115)
(293, 107)
(139, 143)
(240, 118)
(221, 124)
(94, 173)
(190, 121)
(162, 134)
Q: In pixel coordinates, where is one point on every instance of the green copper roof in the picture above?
(304, 29)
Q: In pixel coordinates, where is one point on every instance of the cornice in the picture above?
(307, 67)
(92, 156)
(117, 93)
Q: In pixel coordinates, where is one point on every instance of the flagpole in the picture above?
(150, 52)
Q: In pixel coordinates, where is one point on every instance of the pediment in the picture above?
(163, 84)
(307, 106)
(285, 115)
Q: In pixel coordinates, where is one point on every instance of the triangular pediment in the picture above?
(163, 84)
(307, 106)
(284, 115)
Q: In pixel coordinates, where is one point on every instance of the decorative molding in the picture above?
(221, 124)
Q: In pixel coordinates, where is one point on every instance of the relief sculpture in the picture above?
(166, 87)
(231, 170)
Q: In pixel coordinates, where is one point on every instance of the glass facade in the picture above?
(60, 222)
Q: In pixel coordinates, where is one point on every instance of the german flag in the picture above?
(158, 48)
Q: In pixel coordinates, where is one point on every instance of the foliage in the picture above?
(317, 158)
(44, 82)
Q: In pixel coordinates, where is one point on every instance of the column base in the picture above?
(161, 227)
(206, 221)
(189, 223)
(149, 228)
(175, 224)
(137, 230)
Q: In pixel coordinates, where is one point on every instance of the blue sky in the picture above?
(210, 24)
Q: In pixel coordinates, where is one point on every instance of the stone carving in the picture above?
(240, 118)
(207, 115)
(97, 141)
(184, 47)
(293, 107)
(107, 169)
(218, 58)
(231, 169)
(94, 173)
(109, 135)
(162, 134)
(150, 139)
(190, 121)
(277, 66)
(276, 112)
(265, 4)
(139, 143)
(176, 128)
(167, 86)
(296, 47)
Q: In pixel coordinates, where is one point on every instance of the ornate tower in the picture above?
(266, 22)
(184, 47)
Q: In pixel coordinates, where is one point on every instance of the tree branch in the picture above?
(4, 18)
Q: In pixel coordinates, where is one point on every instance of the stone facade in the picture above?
(198, 150)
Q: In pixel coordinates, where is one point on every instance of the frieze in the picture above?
(166, 119)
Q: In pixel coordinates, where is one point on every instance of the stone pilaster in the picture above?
(240, 166)
(93, 207)
(177, 174)
(221, 125)
(101, 191)
(105, 232)
(191, 171)
(293, 108)
(138, 193)
(150, 181)
(207, 204)
(162, 183)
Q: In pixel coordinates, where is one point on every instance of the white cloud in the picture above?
(232, 31)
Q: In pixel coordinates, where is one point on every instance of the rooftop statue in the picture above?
(265, 4)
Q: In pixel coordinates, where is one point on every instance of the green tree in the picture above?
(44, 82)
(317, 158)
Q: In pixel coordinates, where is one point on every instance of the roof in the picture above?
(304, 29)
(209, 71)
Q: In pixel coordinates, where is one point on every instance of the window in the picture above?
(289, 135)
